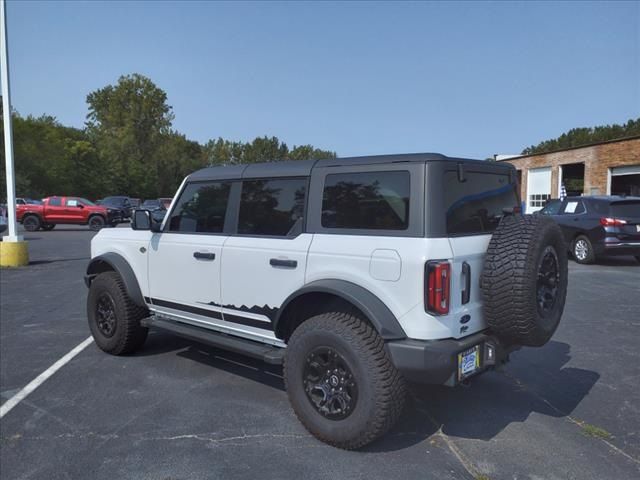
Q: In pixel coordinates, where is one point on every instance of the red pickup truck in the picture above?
(65, 210)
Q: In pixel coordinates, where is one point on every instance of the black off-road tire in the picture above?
(31, 222)
(381, 390)
(96, 222)
(47, 227)
(582, 250)
(127, 335)
(516, 285)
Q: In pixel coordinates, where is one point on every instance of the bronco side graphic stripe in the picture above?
(249, 322)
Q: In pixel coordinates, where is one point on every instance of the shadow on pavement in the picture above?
(535, 381)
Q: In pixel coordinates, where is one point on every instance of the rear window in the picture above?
(367, 200)
(629, 208)
(476, 205)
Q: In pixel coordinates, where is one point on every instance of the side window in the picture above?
(55, 202)
(573, 207)
(367, 200)
(201, 208)
(70, 202)
(272, 207)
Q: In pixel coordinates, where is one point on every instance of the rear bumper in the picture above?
(618, 248)
(436, 361)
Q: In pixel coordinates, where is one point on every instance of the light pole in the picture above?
(13, 250)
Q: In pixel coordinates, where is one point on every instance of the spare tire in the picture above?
(524, 281)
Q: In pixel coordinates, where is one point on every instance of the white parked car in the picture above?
(356, 274)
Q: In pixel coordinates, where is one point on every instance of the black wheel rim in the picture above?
(30, 223)
(329, 383)
(95, 223)
(106, 315)
(548, 281)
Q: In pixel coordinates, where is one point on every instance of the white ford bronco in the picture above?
(358, 275)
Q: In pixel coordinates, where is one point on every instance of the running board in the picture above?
(266, 353)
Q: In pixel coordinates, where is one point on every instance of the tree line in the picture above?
(578, 137)
(128, 147)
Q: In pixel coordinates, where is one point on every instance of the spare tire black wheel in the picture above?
(524, 281)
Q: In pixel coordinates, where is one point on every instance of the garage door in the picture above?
(538, 188)
(625, 180)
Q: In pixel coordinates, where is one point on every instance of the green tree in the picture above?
(577, 137)
(127, 123)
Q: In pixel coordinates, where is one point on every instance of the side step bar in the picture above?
(266, 353)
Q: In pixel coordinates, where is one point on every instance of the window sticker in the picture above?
(571, 207)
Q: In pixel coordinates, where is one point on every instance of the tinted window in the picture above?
(272, 207)
(366, 201)
(599, 206)
(476, 205)
(72, 202)
(202, 208)
(630, 208)
(55, 202)
(552, 207)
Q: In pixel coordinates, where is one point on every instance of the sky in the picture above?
(467, 79)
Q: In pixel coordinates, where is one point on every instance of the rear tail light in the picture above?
(437, 287)
(612, 222)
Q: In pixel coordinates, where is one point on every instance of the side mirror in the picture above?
(143, 220)
(80, 205)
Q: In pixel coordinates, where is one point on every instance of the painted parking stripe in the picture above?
(40, 379)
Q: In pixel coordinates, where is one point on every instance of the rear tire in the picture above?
(96, 223)
(31, 223)
(47, 227)
(340, 381)
(114, 320)
(582, 250)
(524, 281)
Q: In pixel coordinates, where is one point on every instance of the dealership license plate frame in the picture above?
(469, 362)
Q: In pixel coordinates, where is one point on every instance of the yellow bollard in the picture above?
(14, 254)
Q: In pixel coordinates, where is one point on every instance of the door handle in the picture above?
(466, 293)
(276, 262)
(204, 255)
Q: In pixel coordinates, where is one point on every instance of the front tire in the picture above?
(582, 250)
(114, 320)
(340, 381)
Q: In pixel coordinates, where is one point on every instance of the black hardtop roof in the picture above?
(301, 168)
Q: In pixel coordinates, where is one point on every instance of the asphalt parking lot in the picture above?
(178, 410)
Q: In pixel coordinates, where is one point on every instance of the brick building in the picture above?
(608, 168)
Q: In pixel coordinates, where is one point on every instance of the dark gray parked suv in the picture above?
(598, 225)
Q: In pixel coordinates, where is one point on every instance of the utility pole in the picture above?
(13, 250)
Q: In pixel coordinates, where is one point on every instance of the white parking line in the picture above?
(40, 379)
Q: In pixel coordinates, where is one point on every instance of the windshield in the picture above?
(551, 208)
(114, 200)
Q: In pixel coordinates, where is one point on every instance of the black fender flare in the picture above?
(382, 319)
(117, 263)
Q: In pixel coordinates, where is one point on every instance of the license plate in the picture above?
(468, 362)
